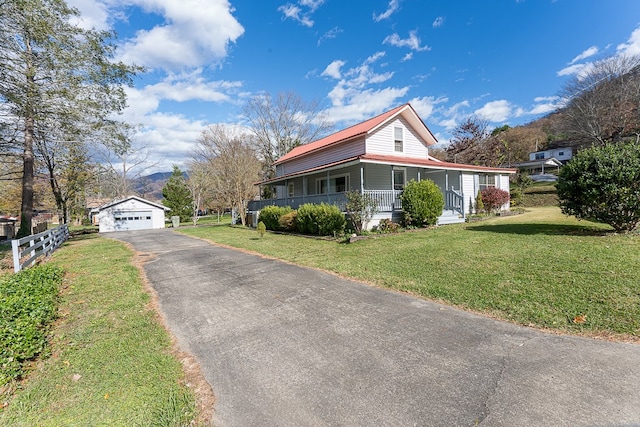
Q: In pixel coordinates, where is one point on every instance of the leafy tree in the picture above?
(177, 196)
(234, 165)
(422, 203)
(282, 123)
(52, 72)
(360, 209)
(602, 184)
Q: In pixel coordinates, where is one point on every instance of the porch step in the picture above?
(449, 217)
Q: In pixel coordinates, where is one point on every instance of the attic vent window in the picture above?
(397, 139)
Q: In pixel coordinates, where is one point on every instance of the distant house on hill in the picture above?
(377, 157)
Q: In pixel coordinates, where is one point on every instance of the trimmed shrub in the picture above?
(261, 229)
(493, 198)
(387, 226)
(322, 219)
(603, 184)
(288, 221)
(422, 203)
(479, 204)
(270, 215)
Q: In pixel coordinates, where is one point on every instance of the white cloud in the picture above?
(333, 69)
(296, 12)
(593, 50)
(194, 34)
(394, 5)
(546, 104)
(92, 14)
(365, 104)
(412, 42)
(407, 57)
(439, 22)
(632, 47)
(495, 111)
(572, 69)
(426, 105)
(353, 98)
(331, 34)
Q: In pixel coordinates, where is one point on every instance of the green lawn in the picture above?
(539, 268)
(112, 362)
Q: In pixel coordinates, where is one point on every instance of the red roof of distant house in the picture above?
(345, 134)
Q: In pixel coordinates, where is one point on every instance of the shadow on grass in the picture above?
(83, 236)
(542, 228)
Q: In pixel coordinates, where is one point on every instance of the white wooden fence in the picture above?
(28, 249)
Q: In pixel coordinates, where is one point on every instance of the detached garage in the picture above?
(132, 213)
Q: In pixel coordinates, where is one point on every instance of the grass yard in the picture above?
(112, 362)
(540, 268)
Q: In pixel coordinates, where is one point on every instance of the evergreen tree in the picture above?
(177, 196)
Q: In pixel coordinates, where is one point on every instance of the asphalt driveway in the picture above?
(283, 345)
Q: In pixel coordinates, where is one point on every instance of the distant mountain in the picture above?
(150, 186)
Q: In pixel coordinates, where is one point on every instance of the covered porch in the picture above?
(382, 182)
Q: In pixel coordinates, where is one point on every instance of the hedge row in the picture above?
(322, 219)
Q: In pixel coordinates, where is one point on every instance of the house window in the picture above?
(539, 156)
(397, 139)
(337, 184)
(487, 181)
(290, 189)
(321, 186)
(560, 153)
(398, 179)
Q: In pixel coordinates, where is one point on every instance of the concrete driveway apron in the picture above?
(283, 345)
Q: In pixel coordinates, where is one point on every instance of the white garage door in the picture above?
(132, 220)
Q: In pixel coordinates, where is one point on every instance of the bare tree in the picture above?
(283, 123)
(121, 161)
(199, 182)
(603, 102)
(234, 163)
(467, 139)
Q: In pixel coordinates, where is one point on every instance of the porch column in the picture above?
(393, 186)
(418, 175)
(328, 186)
(305, 190)
(446, 180)
(286, 192)
(361, 179)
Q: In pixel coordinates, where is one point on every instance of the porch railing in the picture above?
(388, 200)
(454, 201)
(337, 199)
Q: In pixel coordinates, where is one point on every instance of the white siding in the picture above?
(381, 141)
(106, 217)
(323, 157)
(377, 177)
(469, 190)
(504, 185)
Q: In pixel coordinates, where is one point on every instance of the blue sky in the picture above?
(503, 60)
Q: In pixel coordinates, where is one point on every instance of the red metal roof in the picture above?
(340, 136)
